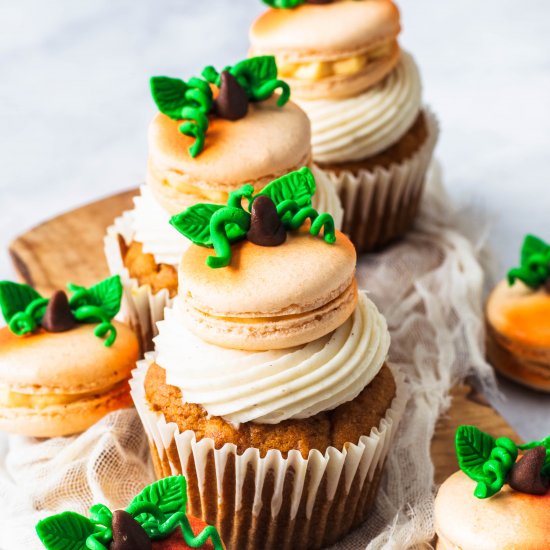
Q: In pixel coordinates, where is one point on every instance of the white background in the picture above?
(75, 104)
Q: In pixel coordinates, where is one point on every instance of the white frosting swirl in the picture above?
(271, 386)
(151, 224)
(152, 228)
(362, 126)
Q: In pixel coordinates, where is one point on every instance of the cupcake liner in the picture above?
(141, 307)
(381, 205)
(272, 502)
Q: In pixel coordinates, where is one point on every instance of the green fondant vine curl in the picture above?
(493, 463)
(193, 101)
(158, 510)
(217, 226)
(24, 309)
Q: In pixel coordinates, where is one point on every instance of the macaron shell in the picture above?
(269, 142)
(505, 521)
(519, 362)
(71, 362)
(62, 420)
(325, 32)
(518, 334)
(520, 313)
(276, 332)
(299, 276)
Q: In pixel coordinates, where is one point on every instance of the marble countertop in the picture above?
(74, 108)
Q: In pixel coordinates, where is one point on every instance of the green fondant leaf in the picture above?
(169, 95)
(14, 298)
(66, 531)
(169, 494)
(298, 186)
(194, 223)
(535, 263)
(253, 72)
(532, 245)
(283, 4)
(473, 449)
(105, 295)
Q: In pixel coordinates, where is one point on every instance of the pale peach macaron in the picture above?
(518, 334)
(270, 297)
(268, 143)
(508, 520)
(330, 50)
(61, 383)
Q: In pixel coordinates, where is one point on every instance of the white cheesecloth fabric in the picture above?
(429, 287)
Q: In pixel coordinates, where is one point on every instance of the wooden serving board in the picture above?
(70, 248)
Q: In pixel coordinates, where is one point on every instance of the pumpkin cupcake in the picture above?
(156, 519)
(499, 498)
(370, 130)
(518, 319)
(212, 135)
(56, 376)
(269, 376)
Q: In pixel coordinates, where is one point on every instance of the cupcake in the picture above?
(268, 388)
(370, 130)
(497, 500)
(64, 364)
(211, 136)
(518, 319)
(156, 519)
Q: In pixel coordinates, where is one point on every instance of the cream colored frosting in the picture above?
(152, 228)
(362, 126)
(271, 386)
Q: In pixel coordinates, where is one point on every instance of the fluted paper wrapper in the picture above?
(381, 205)
(272, 503)
(141, 307)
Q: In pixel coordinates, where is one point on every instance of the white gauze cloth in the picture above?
(429, 287)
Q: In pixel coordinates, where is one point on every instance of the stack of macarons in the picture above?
(518, 319)
(363, 94)
(56, 375)
(269, 366)
(212, 135)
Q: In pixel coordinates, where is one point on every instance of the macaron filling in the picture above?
(261, 332)
(315, 69)
(14, 399)
(165, 180)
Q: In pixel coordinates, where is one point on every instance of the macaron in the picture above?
(517, 317)
(64, 364)
(509, 519)
(270, 297)
(518, 334)
(274, 141)
(499, 499)
(330, 50)
(56, 384)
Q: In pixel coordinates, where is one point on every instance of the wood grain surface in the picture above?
(70, 248)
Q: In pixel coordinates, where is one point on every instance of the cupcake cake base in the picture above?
(381, 195)
(309, 498)
(142, 304)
